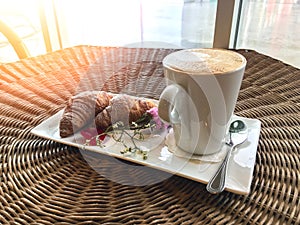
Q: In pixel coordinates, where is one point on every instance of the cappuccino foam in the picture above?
(204, 61)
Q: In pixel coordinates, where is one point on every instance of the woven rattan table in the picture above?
(44, 182)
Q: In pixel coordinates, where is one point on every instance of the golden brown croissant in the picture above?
(102, 101)
(122, 108)
(80, 110)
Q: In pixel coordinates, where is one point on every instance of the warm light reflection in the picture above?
(23, 17)
(94, 21)
(19, 9)
(119, 22)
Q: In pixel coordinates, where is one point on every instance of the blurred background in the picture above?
(268, 26)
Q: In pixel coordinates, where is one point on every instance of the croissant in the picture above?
(102, 101)
(122, 108)
(80, 110)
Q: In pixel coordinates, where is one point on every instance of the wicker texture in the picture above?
(43, 182)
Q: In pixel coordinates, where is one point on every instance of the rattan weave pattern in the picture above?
(43, 182)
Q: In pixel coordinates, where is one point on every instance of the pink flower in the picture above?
(91, 135)
(155, 117)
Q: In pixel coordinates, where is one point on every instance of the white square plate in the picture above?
(240, 170)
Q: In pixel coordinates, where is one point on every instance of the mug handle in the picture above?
(169, 99)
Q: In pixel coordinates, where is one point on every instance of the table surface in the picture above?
(44, 182)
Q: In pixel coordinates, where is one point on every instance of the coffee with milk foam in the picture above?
(204, 61)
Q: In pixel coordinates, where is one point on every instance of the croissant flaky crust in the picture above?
(123, 108)
(81, 110)
(102, 107)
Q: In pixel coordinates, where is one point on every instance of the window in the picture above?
(271, 27)
(148, 23)
(23, 18)
(267, 26)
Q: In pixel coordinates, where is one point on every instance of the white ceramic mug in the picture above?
(200, 97)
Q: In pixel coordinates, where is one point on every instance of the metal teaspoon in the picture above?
(238, 134)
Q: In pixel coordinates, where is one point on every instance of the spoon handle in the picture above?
(217, 182)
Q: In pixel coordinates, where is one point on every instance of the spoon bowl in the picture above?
(238, 134)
